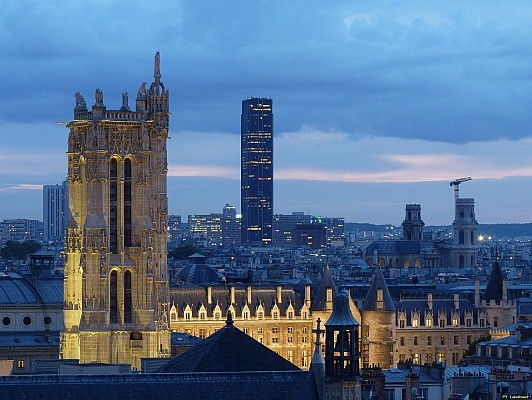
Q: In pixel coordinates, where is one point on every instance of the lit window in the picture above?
(20, 363)
(428, 322)
(455, 322)
(415, 323)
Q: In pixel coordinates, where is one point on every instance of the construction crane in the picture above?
(456, 183)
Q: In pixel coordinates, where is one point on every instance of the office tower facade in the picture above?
(206, 229)
(256, 171)
(231, 235)
(54, 213)
(116, 285)
(20, 229)
(175, 231)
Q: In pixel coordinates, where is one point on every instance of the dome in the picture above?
(198, 274)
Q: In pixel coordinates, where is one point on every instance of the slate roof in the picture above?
(28, 339)
(370, 304)
(16, 289)
(196, 296)
(198, 274)
(445, 303)
(398, 376)
(228, 350)
(341, 315)
(494, 287)
(320, 298)
(287, 385)
(400, 246)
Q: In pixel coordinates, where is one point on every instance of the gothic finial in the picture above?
(229, 321)
(157, 65)
(125, 105)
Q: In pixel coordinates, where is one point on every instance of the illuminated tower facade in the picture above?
(116, 287)
(465, 248)
(413, 224)
(256, 171)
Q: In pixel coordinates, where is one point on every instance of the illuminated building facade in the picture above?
(256, 171)
(206, 229)
(274, 316)
(55, 206)
(284, 228)
(116, 284)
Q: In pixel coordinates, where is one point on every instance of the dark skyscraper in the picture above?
(256, 170)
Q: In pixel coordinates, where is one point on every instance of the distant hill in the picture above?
(495, 230)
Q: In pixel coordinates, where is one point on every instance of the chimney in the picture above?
(456, 297)
(504, 291)
(429, 300)
(232, 292)
(477, 293)
(279, 291)
(412, 381)
(380, 299)
(248, 292)
(209, 294)
(307, 296)
(329, 299)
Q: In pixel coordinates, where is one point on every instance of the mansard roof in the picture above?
(319, 302)
(228, 350)
(494, 287)
(370, 304)
(443, 303)
(196, 296)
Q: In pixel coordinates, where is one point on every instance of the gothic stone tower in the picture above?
(378, 325)
(116, 288)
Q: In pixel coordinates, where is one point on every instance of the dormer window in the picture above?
(428, 322)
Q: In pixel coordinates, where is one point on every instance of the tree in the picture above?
(19, 250)
(472, 349)
(182, 252)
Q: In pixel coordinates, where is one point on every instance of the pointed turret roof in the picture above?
(320, 298)
(370, 304)
(494, 288)
(228, 350)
